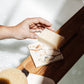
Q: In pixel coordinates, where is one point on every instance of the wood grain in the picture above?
(72, 49)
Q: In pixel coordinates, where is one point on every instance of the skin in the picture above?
(25, 29)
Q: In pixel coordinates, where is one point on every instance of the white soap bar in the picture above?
(51, 38)
(38, 79)
(44, 54)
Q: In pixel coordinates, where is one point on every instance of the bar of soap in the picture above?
(51, 38)
(44, 54)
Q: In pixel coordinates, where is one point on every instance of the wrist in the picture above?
(8, 32)
(16, 33)
(11, 31)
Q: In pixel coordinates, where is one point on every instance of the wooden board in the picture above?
(72, 49)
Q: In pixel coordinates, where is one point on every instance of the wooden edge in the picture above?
(29, 65)
(23, 64)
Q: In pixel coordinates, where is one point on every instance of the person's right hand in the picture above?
(28, 28)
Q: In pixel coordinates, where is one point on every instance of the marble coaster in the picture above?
(44, 54)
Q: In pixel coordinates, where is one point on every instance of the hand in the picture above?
(30, 26)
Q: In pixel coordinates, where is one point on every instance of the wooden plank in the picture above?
(29, 65)
(72, 49)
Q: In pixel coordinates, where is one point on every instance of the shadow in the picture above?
(72, 49)
(14, 47)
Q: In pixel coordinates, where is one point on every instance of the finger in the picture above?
(41, 29)
(43, 21)
(33, 36)
(51, 28)
(35, 30)
(40, 20)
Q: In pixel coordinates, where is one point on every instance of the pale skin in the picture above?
(25, 29)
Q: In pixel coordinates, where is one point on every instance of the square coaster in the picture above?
(44, 54)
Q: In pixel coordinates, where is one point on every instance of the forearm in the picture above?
(6, 32)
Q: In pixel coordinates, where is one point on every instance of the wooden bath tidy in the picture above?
(72, 50)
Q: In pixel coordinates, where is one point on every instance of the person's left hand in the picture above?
(30, 26)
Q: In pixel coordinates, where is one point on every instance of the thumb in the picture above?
(33, 36)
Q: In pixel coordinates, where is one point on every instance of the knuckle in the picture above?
(28, 19)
